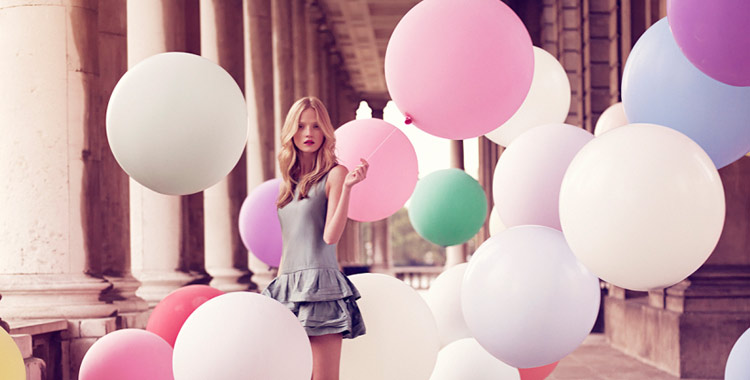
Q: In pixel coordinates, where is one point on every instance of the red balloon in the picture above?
(537, 373)
(168, 316)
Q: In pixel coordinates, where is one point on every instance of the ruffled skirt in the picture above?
(324, 301)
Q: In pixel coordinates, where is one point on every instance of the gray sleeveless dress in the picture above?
(310, 283)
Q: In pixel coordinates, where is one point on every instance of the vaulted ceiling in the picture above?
(362, 29)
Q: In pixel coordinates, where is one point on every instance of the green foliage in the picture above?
(408, 248)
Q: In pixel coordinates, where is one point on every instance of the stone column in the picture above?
(226, 257)
(157, 239)
(379, 231)
(107, 185)
(47, 102)
(489, 153)
(348, 248)
(314, 15)
(689, 329)
(299, 47)
(456, 254)
(283, 62)
(333, 86)
(259, 90)
(326, 42)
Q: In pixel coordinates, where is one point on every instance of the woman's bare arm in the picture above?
(339, 189)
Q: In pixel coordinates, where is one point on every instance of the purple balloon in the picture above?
(260, 229)
(714, 36)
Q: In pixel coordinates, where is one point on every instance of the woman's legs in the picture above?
(326, 350)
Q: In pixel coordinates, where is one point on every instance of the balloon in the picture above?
(242, 335)
(714, 36)
(526, 183)
(172, 311)
(177, 123)
(660, 86)
(260, 229)
(385, 147)
(548, 100)
(526, 299)
(444, 299)
(128, 354)
(537, 373)
(738, 365)
(459, 69)
(448, 207)
(401, 341)
(642, 206)
(496, 225)
(11, 360)
(613, 117)
(466, 359)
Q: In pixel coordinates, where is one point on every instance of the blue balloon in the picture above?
(738, 363)
(660, 86)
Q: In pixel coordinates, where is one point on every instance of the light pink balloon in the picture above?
(529, 173)
(128, 354)
(459, 69)
(393, 170)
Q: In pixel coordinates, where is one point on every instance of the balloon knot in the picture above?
(408, 120)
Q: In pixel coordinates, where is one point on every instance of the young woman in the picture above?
(312, 206)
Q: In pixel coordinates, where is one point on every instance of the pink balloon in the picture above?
(529, 174)
(168, 316)
(259, 225)
(126, 355)
(714, 36)
(459, 69)
(393, 170)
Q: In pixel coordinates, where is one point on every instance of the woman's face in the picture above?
(309, 136)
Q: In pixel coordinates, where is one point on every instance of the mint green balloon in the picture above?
(448, 207)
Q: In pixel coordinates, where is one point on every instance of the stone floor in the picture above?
(596, 360)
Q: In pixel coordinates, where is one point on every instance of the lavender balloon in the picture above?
(714, 36)
(260, 230)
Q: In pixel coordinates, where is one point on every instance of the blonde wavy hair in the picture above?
(325, 157)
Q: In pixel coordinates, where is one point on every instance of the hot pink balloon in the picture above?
(459, 69)
(714, 36)
(126, 355)
(393, 171)
(529, 173)
(168, 316)
(259, 225)
(537, 373)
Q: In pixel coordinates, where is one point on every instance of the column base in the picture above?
(688, 329)
(157, 285)
(40, 296)
(122, 295)
(231, 279)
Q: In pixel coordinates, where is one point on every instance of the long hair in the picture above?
(325, 157)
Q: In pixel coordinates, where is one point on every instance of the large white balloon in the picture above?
(526, 299)
(548, 100)
(444, 299)
(738, 363)
(401, 342)
(614, 116)
(526, 183)
(642, 206)
(465, 359)
(242, 335)
(177, 123)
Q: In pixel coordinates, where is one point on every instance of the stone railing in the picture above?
(418, 277)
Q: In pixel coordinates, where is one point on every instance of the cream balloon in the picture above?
(548, 100)
(613, 117)
(496, 224)
(177, 123)
(466, 359)
(444, 299)
(402, 339)
(642, 206)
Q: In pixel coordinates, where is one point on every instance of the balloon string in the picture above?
(381, 144)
